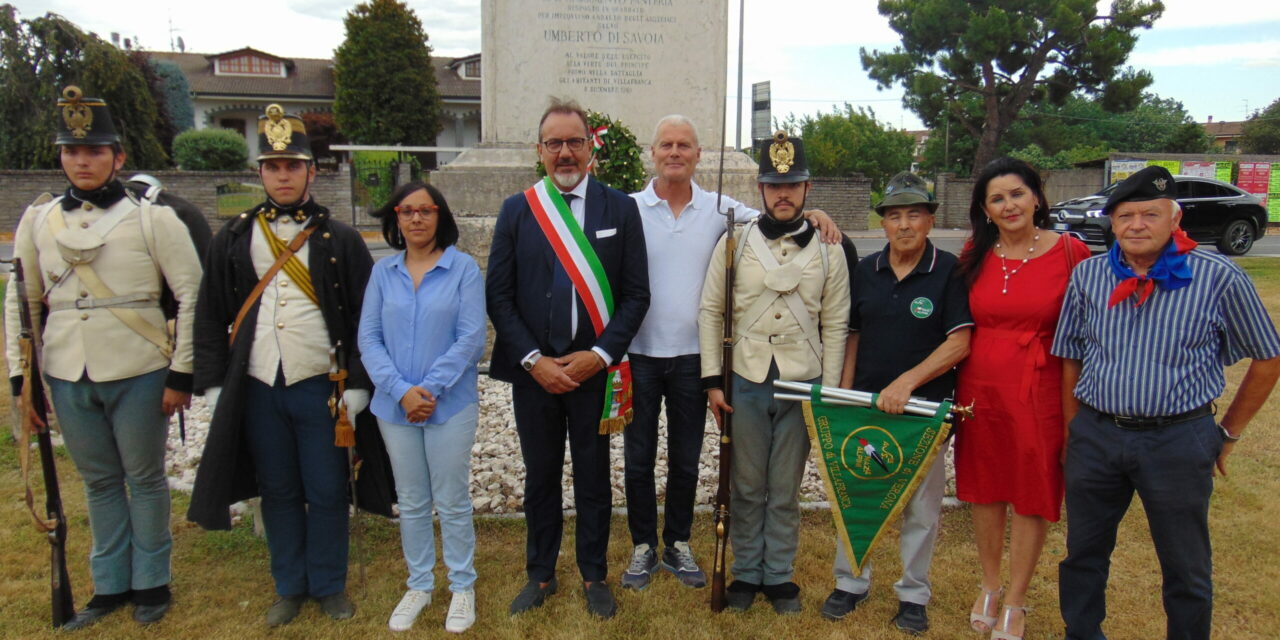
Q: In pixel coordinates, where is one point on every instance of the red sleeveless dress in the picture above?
(1009, 450)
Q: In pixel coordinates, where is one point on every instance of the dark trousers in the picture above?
(542, 421)
(303, 480)
(1171, 469)
(676, 379)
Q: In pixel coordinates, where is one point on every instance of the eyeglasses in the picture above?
(407, 212)
(555, 144)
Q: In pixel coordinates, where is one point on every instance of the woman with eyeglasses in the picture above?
(422, 331)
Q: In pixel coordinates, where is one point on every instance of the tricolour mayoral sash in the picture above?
(582, 264)
(871, 463)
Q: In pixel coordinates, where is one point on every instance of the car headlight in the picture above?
(1093, 213)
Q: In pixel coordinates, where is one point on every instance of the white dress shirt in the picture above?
(290, 334)
(679, 251)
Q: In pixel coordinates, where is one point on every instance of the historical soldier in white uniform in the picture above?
(292, 321)
(790, 312)
(99, 256)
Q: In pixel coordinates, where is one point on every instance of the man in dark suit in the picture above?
(556, 341)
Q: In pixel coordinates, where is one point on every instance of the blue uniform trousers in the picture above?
(303, 480)
(1171, 469)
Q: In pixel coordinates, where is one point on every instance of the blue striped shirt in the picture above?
(1166, 356)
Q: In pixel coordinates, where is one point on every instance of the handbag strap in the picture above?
(284, 256)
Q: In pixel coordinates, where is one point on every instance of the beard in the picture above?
(567, 180)
(799, 209)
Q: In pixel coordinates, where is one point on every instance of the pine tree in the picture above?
(385, 87)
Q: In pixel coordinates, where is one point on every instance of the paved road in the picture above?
(867, 242)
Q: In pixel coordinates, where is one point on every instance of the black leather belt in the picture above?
(1134, 423)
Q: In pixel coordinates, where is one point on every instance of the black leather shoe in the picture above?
(784, 597)
(600, 602)
(337, 606)
(149, 613)
(284, 610)
(740, 595)
(532, 596)
(841, 603)
(911, 618)
(98, 608)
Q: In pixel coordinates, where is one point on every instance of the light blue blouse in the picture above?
(431, 336)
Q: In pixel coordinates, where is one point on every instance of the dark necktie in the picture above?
(562, 302)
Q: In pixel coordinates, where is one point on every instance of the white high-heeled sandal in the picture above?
(983, 623)
(1004, 622)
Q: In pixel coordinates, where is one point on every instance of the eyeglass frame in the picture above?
(554, 145)
(423, 211)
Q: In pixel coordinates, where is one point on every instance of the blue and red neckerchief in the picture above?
(1170, 271)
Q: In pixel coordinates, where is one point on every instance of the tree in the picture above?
(38, 58)
(177, 95)
(1261, 133)
(384, 85)
(210, 150)
(851, 140)
(1007, 53)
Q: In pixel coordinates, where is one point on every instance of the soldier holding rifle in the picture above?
(99, 255)
(789, 308)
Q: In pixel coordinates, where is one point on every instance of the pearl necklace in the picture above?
(1004, 290)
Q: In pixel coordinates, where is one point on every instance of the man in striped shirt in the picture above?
(1145, 333)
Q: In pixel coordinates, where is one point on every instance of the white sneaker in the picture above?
(407, 611)
(462, 612)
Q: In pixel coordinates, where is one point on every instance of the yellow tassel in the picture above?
(344, 435)
(616, 424)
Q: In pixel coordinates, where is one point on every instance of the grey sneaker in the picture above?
(284, 610)
(640, 571)
(337, 606)
(678, 559)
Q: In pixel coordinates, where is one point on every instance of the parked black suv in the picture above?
(1213, 212)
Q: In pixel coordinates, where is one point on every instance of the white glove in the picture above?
(211, 397)
(356, 400)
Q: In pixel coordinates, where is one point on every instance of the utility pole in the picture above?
(737, 138)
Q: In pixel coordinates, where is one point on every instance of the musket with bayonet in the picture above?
(35, 420)
(723, 496)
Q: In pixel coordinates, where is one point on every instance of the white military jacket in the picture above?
(93, 340)
(776, 335)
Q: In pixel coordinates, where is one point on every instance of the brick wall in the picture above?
(953, 196)
(846, 200)
(19, 188)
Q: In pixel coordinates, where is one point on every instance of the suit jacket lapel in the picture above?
(593, 216)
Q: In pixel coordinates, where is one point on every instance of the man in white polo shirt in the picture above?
(681, 227)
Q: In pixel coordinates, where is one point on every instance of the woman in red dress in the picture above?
(1009, 453)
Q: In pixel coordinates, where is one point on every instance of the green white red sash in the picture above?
(587, 274)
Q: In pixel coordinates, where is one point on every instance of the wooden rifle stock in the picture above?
(54, 524)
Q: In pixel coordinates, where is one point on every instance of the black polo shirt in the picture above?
(901, 322)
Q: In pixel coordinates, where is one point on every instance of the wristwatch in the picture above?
(528, 362)
(1226, 435)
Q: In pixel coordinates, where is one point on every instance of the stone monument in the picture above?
(635, 60)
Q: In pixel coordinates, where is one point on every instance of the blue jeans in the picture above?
(678, 380)
(115, 432)
(303, 480)
(1171, 469)
(432, 466)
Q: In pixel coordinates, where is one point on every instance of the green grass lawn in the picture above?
(222, 585)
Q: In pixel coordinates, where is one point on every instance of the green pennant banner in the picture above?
(871, 463)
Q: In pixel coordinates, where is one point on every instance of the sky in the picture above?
(1220, 58)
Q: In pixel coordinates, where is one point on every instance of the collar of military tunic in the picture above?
(103, 197)
(299, 213)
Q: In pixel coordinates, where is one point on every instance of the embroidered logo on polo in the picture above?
(922, 307)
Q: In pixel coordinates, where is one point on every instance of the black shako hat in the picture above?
(84, 120)
(282, 135)
(1150, 183)
(782, 160)
(905, 189)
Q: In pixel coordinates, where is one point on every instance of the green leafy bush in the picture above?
(210, 150)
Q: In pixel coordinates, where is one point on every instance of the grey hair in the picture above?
(674, 118)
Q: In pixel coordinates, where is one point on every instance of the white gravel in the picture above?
(497, 470)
